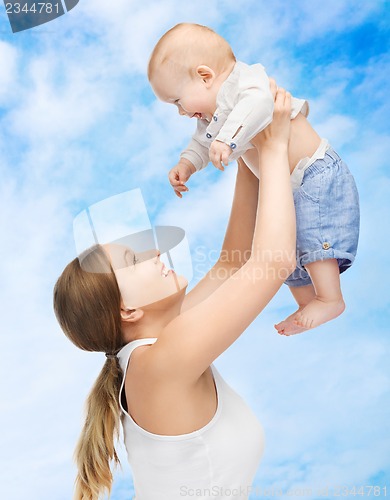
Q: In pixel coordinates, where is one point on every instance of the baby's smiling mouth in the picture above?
(197, 115)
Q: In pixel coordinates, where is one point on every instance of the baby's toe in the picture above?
(299, 319)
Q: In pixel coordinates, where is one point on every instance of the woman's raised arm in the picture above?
(237, 244)
(193, 340)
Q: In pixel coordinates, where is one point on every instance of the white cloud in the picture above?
(129, 29)
(338, 129)
(268, 24)
(314, 394)
(8, 61)
(313, 20)
(58, 108)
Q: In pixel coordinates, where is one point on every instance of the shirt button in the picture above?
(326, 245)
(233, 145)
(208, 135)
(215, 118)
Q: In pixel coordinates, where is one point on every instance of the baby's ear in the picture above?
(206, 73)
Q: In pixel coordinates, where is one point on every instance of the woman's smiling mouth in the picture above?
(165, 271)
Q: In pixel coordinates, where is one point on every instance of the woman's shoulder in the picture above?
(149, 360)
(164, 404)
(131, 349)
(157, 362)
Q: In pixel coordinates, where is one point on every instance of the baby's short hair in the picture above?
(190, 45)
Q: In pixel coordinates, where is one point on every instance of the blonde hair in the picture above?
(187, 46)
(87, 307)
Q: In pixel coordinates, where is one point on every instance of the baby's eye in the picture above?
(135, 260)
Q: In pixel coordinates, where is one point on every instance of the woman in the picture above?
(186, 431)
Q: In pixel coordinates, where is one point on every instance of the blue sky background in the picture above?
(79, 123)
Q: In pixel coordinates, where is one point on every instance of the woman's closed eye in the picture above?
(130, 258)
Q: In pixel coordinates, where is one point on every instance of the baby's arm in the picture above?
(251, 114)
(192, 159)
(196, 153)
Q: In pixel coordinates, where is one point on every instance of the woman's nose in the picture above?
(157, 253)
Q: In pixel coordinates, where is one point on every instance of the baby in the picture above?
(195, 69)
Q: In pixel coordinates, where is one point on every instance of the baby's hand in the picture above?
(179, 175)
(219, 153)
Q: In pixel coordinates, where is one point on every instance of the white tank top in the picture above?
(218, 461)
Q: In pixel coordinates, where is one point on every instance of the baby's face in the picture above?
(194, 97)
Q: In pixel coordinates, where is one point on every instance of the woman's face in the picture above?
(142, 278)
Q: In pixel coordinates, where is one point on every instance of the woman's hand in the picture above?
(278, 131)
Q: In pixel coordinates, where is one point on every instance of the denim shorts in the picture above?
(328, 217)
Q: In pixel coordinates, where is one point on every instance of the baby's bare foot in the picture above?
(317, 312)
(288, 327)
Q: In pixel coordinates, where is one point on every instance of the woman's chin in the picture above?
(181, 281)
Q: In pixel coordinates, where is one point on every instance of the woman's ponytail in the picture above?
(95, 449)
(87, 306)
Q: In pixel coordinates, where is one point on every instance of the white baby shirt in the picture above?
(244, 107)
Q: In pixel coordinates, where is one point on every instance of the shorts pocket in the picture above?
(310, 188)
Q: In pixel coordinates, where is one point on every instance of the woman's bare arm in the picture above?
(237, 244)
(193, 340)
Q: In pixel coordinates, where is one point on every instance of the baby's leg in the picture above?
(303, 295)
(328, 302)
